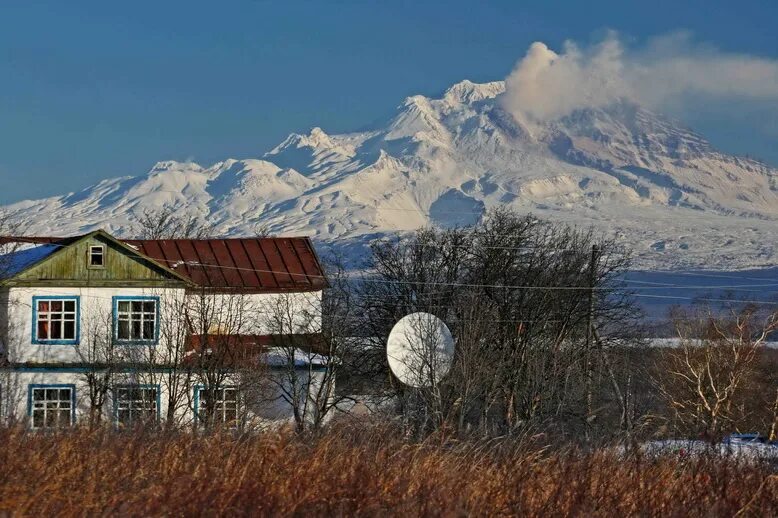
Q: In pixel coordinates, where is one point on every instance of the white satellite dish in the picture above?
(420, 349)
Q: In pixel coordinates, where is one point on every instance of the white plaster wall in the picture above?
(302, 315)
(271, 411)
(16, 314)
(298, 312)
(15, 394)
(96, 310)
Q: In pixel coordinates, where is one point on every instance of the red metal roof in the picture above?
(254, 264)
(270, 264)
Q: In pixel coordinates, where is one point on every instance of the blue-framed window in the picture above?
(226, 405)
(56, 319)
(136, 320)
(51, 406)
(136, 405)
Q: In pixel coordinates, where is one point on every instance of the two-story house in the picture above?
(93, 327)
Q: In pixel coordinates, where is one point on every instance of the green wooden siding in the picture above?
(70, 267)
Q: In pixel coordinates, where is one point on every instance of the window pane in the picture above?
(151, 403)
(52, 314)
(56, 330)
(96, 256)
(123, 331)
(148, 330)
(136, 404)
(142, 319)
(51, 407)
(43, 330)
(70, 330)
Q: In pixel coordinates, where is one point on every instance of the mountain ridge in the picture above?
(626, 171)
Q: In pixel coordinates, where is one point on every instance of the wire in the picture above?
(717, 276)
(706, 299)
(493, 286)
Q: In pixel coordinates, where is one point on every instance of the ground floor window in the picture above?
(52, 406)
(225, 405)
(136, 404)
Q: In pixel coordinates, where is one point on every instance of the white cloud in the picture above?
(545, 85)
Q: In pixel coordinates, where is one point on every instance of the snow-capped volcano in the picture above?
(660, 187)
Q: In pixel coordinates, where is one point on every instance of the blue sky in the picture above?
(93, 90)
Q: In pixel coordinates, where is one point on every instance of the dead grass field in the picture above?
(357, 472)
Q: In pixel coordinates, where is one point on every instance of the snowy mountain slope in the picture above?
(661, 188)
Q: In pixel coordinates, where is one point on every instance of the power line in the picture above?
(475, 285)
(706, 299)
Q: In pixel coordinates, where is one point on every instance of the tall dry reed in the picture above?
(352, 471)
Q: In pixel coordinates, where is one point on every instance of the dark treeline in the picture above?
(549, 338)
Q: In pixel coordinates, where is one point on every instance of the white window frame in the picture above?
(53, 408)
(221, 405)
(90, 254)
(136, 404)
(132, 317)
(60, 316)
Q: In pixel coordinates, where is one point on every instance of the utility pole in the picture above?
(589, 339)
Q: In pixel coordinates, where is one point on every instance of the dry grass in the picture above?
(360, 472)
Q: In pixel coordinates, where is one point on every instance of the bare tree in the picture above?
(261, 230)
(100, 361)
(8, 247)
(527, 353)
(169, 223)
(219, 325)
(313, 346)
(703, 379)
(12, 390)
(165, 363)
(304, 360)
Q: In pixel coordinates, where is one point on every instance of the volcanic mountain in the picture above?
(630, 172)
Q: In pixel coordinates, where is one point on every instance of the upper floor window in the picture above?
(52, 406)
(55, 320)
(136, 319)
(97, 256)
